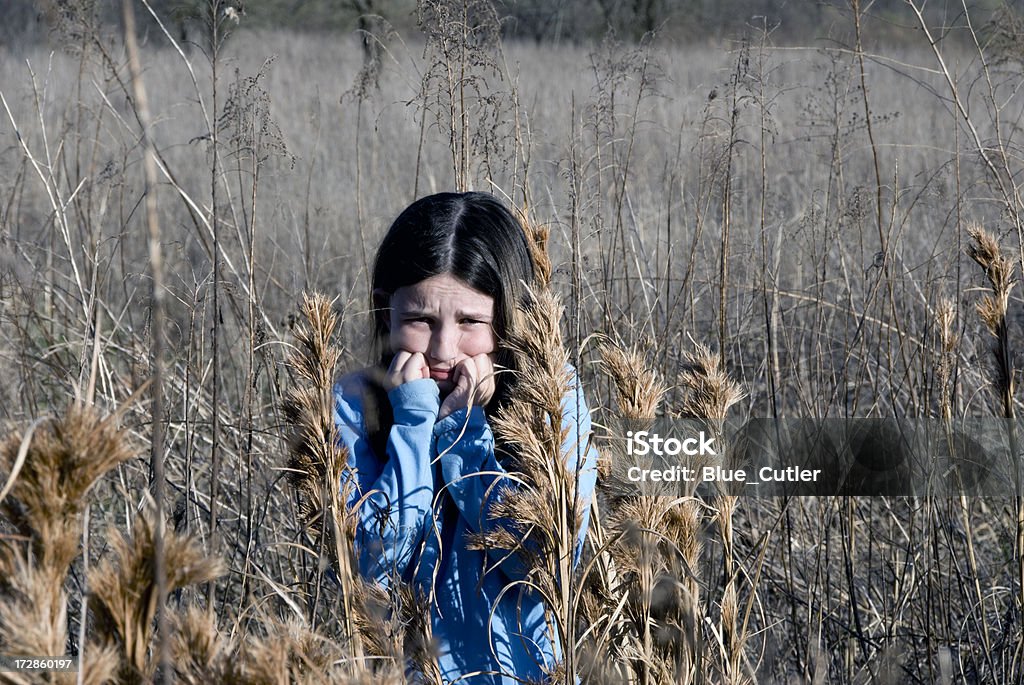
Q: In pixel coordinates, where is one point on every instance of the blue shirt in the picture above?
(415, 507)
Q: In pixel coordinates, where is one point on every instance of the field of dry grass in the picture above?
(741, 231)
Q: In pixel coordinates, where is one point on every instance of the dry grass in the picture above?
(123, 592)
(546, 508)
(736, 196)
(50, 471)
(993, 309)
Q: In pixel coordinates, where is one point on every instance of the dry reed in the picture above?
(945, 315)
(709, 393)
(123, 596)
(993, 307)
(655, 543)
(547, 509)
(544, 513)
(655, 536)
(386, 627)
(49, 471)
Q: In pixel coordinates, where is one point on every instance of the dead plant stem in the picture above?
(215, 451)
(156, 336)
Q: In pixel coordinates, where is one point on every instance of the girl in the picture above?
(447, 279)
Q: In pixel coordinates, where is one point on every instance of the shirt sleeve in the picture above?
(476, 480)
(391, 493)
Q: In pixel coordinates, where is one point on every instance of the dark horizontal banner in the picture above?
(801, 457)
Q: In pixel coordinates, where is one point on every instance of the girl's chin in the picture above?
(445, 386)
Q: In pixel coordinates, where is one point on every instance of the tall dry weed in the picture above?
(124, 593)
(546, 511)
(379, 629)
(709, 393)
(654, 545)
(655, 536)
(945, 368)
(49, 471)
(993, 309)
(316, 457)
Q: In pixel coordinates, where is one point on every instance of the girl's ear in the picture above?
(382, 307)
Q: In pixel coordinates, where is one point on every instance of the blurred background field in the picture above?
(790, 184)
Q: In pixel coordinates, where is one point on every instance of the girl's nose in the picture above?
(443, 343)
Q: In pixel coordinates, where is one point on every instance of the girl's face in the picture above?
(445, 320)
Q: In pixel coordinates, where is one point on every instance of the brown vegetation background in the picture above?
(805, 200)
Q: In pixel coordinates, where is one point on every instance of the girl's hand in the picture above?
(474, 384)
(405, 367)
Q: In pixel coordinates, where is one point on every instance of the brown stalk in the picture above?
(317, 459)
(61, 460)
(993, 307)
(537, 240)
(125, 596)
(986, 252)
(655, 543)
(374, 623)
(157, 330)
(546, 509)
(945, 319)
(709, 393)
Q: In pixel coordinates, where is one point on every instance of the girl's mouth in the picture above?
(441, 374)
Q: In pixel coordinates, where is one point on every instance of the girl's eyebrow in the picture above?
(419, 308)
(417, 312)
(415, 304)
(474, 315)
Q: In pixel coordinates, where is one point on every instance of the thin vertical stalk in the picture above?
(463, 118)
(723, 269)
(770, 303)
(156, 463)
(250, 384)
(83, 619)
(855, 6)
(574, 352)
(883, 242)
(359, 199)
(215, 456)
